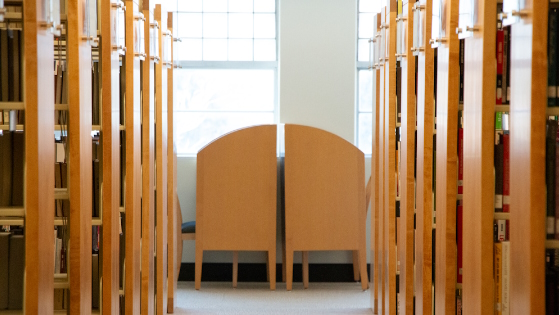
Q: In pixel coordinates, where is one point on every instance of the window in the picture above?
(366, 10)
(229, 65)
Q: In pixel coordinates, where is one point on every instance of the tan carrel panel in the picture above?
(325, 195)
(236, 195)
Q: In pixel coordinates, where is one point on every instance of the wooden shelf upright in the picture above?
(160, 16)
(478, 133)
(408, 129)
(111, 156)
(39, 160)
(424, 153)
(79, 143)
(133, 192)
(172, 227)
(148, 145)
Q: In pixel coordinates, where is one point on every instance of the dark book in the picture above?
(16, 67)
(553, 57)
(123, 166)
(505, 187)
(505, 65)
(460, 158)
(459, 242)
(500, 64)
(58, 85)
(399, 97)
(461, 69)
(551, 282)
(5, 249)
(508, 76)
(4, 77)
(552, 131)
(122, 92)
(95, 94)
(96, 189)
(95, 281)
(6, 168)
(64, 96)
(122, 250)
(556, 200)
(499, 181)
(18, 159)
(15, 272)
(95, 239)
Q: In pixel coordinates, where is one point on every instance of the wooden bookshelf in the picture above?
(160, 16)
(172, 227)
(133, 181)
(424, 153)
(39, 161)
(528, 81)
(478, 133)
(408, 128)
(80, 170)
(148, 162)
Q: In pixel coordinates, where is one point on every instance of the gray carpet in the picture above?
(217, 298)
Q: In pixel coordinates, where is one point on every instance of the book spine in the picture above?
(501, 230)
(505, 186)
(505, 65)
(552, 131)
(461, 70)
(500, 66)
(505, 277)
(499, 170)
(4, 262)
(16, 272)
(497, 278)
(460, 243)
(553, 58)
(460, 158)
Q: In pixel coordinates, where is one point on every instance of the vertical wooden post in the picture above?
(424, 169)
(111, 159)
(381, 163)
(133, 190)
(79, 142)
(39, 160)
(478, 151)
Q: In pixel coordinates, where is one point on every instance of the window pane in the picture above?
(265, 26)
(225, 90)
(189, 5)
(265, 6)
(215, 25)
(365, 25)
(196, 130)
(188, 49)
(364, 132)
(363, 50)
(190, 25)
(240, 50)
(175, 23)
(214, 5)
(214, 49)
(241, 25)
(365, 6)
(265, 50)
(241, 5)
(365, 87)
(171, 5)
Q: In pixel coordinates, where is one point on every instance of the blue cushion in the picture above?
(188, 227)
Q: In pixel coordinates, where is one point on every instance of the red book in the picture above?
(460, 242)
(500, 64)
(460, 156)
(505, 192)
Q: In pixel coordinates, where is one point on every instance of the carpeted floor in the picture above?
(217, 298)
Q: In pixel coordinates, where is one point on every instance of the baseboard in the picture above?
(257, 272)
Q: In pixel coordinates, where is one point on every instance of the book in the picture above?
(4, 248)
(460, 242)
(501, 230)
(57, 256)
(505, 172)
(6, 168)
(4, 81)
(499, 68)
(505, 277)
(497, 278)
(461, 69)
(505, 65)
(15, 270)
(553, 57)
(460, 158)
(96, 189)
(95, 281)
(15, 67)
(499, 181)
(551, 174)
(18, 161)
(95, 94)
(459, 301)
(551, 282)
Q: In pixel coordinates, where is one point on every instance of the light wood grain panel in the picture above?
(148, 159)
(133, 168)
(390, 191)
(325, 194)
(527, 157)
(79, 143)
(374, 245)
(424, 170)
(478, 157)
(173, 225)
(381, 175)
(160, 16)
(39, 161)
(408, 128)
(236, 195)
(111, 160)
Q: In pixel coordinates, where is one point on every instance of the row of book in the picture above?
(502, 269)
(12, 262)
(503, 57)
(553, 56)
(12, 152)
(552, 169)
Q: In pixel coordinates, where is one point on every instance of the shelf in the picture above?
(12, 220)
(121, 209)
(11, 312)
(552, 111)
(13, 16)
(121, 292)
(60, 106)
(551, 244)
(12, 105)
(61, 281)
(501, 215)
(58, 221)
(461, 106)
(501, 108)
(459, 197)
(7, 127)
(459, 286)
(61, 194)
(12, 212)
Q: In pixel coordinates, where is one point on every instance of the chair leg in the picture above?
(305, 268)
(363, 269)
(289, 268)
(356, 265)
(235, 267)
(272, 268)
(197, 267)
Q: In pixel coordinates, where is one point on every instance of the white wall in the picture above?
(317, 75)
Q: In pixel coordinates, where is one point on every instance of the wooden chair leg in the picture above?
(235, 267)
(197, 267)
(289, 268)
(305, 268)
(363, 269)
(272, 268)
(356, 265)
